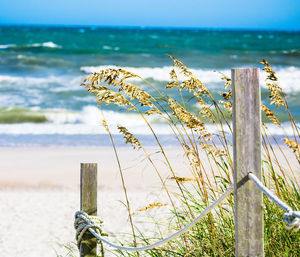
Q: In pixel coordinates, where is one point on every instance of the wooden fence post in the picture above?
(88, 204)
(248, 201)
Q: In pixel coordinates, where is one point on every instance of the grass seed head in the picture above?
(130, 138)
(270, 114)
(183, 69)
(212, 150)
(227, 95)
(151, 206)
(227, 105)
(188, 118)
(274, 89)
(182, 179)
(292, 144)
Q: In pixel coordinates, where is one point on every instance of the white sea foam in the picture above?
(24, 91)
(37, 82)
(289, 77)
(88, 121)
(7, 46)
(44, 44)
(107, 47)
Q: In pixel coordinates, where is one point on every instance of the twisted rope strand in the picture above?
(82, 218)
(84, 222)
(290, 218)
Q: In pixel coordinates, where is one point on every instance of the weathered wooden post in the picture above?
(247, 158)
(88, 204)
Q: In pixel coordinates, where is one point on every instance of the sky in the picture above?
(227, 14)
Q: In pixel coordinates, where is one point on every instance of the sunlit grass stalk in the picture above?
(122, 177)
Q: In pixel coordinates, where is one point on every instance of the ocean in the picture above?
(41, 69)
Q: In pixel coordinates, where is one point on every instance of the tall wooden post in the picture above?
(247, 158)
(88, 204)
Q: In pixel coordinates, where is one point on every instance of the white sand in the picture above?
(39, 194)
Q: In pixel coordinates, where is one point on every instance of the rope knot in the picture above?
(291, 221)
(83, 222)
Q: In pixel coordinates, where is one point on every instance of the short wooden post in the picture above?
(247, 158)
(88, 204)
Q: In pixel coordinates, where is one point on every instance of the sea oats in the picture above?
(194, 84)
(106, 95)
(227, 79)
(153, 111)
(274, 89)
(192, 156)
(172, 84)
(190, 119)
(227, 105)
(183, 69)
(182, 179)
(112, 97)
(227, 95)
(129, 137)
(116, 77)
(135, 92)
(173, 75)
(151, 206)
(104, 123)
(268, 69)
(205, 111)
(292, 144)
(270, 114)
(275, 95)
(212, 150)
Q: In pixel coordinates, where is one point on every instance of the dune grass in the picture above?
(214, 235)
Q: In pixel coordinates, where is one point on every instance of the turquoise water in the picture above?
(41, 69)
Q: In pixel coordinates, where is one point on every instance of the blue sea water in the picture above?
(41, 69)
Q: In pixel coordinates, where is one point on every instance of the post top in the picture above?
(245, 68)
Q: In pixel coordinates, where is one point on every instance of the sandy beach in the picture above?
(39, 194)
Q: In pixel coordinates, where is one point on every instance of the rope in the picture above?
(84, 222)
(290, 218)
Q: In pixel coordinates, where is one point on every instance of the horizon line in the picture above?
(146, 27)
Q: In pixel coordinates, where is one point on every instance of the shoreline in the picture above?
(98, 140)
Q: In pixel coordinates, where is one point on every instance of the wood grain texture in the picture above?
(88, 204)
(247, 158)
